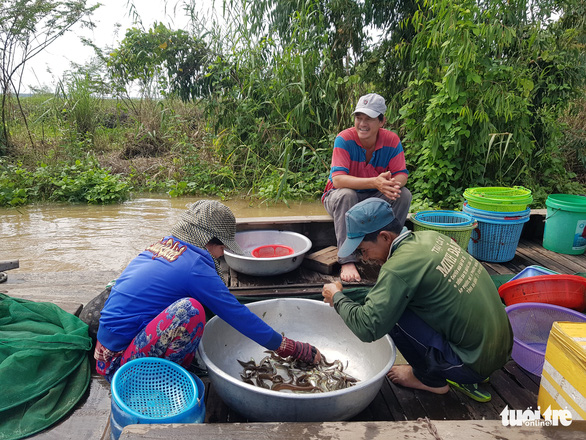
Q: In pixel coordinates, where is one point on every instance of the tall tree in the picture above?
(172, 61)
(482, 70)
(28, 27)
(341, 21)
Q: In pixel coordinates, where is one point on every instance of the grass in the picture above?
(168, 146)
(153, 146)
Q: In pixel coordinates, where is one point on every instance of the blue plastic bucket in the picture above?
(565, 224)
(154, 390)
(496, 238)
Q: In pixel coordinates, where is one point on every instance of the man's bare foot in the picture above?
(349, 272)
(403, 375)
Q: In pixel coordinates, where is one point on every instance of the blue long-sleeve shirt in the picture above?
(162, 274)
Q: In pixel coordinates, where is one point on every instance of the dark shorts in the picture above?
(429, 353)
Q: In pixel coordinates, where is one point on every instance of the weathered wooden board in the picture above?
(318, 228)
(444, 407)
(525, 379)
(281, 431)
(423, 429)
(7, 265)
(514, 395)
(562, 263)
(410, 405)
(90, 418)
(392, 402)
(378, 410)
(324, 261)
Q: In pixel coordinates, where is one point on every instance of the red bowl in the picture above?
(561, 290)
(272, 251)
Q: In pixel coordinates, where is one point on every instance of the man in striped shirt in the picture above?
(367, 161)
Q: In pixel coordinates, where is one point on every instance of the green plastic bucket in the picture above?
(565, 224)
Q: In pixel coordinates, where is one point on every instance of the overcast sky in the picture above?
(67, 49)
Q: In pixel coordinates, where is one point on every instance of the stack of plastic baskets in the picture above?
(499, 198)
(501, 213)
(498, 233)
(154, 390)
(456, 225)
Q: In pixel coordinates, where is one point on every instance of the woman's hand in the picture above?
(299, 350)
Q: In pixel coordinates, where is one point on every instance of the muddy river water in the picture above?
(47, 238)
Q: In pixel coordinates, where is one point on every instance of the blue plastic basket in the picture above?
(442, 217)
(531, 324)
(533, 271)
(496, 238)
(154, 390)
(496, 215)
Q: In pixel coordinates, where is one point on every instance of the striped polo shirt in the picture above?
(349, 157)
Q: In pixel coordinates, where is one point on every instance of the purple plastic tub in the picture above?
(531, 323)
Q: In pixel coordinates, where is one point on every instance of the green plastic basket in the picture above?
(498, 198)
(456, 225)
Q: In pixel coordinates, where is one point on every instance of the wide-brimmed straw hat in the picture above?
(204, 220)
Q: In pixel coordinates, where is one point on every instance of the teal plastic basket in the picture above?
(154, 390)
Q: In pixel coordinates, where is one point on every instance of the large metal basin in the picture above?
(250, 240)
(305, 320)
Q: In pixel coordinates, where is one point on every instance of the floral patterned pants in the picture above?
(174, 334)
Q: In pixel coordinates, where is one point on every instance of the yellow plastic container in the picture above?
(563, 379)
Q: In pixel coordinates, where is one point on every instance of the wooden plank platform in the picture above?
(307, 281)
(422, 429)
(89, 420)
(395, 411)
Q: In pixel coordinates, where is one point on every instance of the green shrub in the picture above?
(80, 182)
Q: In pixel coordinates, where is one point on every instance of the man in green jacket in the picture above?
(438, 304)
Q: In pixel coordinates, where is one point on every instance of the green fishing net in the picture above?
(44, 365)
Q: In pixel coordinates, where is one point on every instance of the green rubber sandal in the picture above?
(472, 391)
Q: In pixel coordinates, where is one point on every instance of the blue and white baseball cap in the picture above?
(365, 217)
